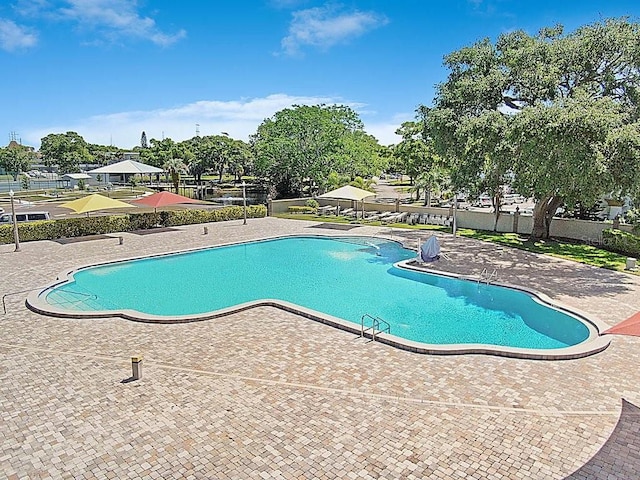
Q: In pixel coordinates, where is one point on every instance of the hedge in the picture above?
(81, 226)
(300, 209)
(621, 242)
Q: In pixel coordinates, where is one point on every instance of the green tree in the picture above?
(363, 183)
(361, 156)
(335, 180)
(560, 151)
(416, 157)
(301, 145)
(622, 153)
(220, 153)
(15, 159)
(174, 168)
(159, 152)
(240, 160)
(66, 151)
(104, 154)
(558, 100)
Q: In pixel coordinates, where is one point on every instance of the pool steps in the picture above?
(486, 277)
(377, 325)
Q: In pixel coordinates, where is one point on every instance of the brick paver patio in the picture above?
(266, 394)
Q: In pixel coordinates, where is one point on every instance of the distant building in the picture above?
(71, 180)
(134, 156)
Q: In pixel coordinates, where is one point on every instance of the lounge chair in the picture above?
(371, 216)
(326, 210)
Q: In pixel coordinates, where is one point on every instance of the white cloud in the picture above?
(324, 27)
(32, 8)
(112, 19)
(384, 132)
(239, 118)
(14, 37)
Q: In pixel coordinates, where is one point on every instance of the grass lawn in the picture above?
(578, 252)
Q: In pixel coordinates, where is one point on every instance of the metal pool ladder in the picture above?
(486, 277)
(378, 326)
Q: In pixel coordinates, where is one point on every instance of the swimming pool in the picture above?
(335, 280)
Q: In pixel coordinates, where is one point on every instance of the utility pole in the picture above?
(197, 129)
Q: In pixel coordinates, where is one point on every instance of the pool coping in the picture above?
(595, 343)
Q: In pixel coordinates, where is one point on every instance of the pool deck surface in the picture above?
(267, 394)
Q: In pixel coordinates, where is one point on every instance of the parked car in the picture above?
(511, 198)
(449, 203)
(482, 201)
(24, 217)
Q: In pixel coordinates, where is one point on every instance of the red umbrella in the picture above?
(630, 326)
(162, 199)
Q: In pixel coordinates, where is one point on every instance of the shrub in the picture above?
(622, 242)
(313, 203)
(81, 226)
(299, 209)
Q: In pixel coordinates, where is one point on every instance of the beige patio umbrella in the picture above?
(93, 203)
(349, 192)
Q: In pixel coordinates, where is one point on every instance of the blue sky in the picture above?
(110, 69)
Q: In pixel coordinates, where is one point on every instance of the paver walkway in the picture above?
(267, 394)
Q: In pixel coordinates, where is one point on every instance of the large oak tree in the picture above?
(567, 107)
(66, 151)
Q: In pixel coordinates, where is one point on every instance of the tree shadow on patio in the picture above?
(542, 273)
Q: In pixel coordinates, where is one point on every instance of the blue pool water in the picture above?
(345, 278)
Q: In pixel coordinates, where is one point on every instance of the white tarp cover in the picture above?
(348, 192)
(127, 166)
(430, 250)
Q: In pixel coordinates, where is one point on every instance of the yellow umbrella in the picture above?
(94, 202)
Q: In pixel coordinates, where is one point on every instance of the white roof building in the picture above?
(127, 167)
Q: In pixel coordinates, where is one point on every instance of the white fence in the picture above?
(583, 230)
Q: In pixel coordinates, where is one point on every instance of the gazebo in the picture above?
(124, 168)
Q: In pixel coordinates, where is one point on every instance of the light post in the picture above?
(16, 238)
(244, 201)
(455, 209)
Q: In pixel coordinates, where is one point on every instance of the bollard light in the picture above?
(136, 368)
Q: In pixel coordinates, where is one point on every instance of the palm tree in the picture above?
(335, 180)
(174, 167)
(429, 181)
(363, 183)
